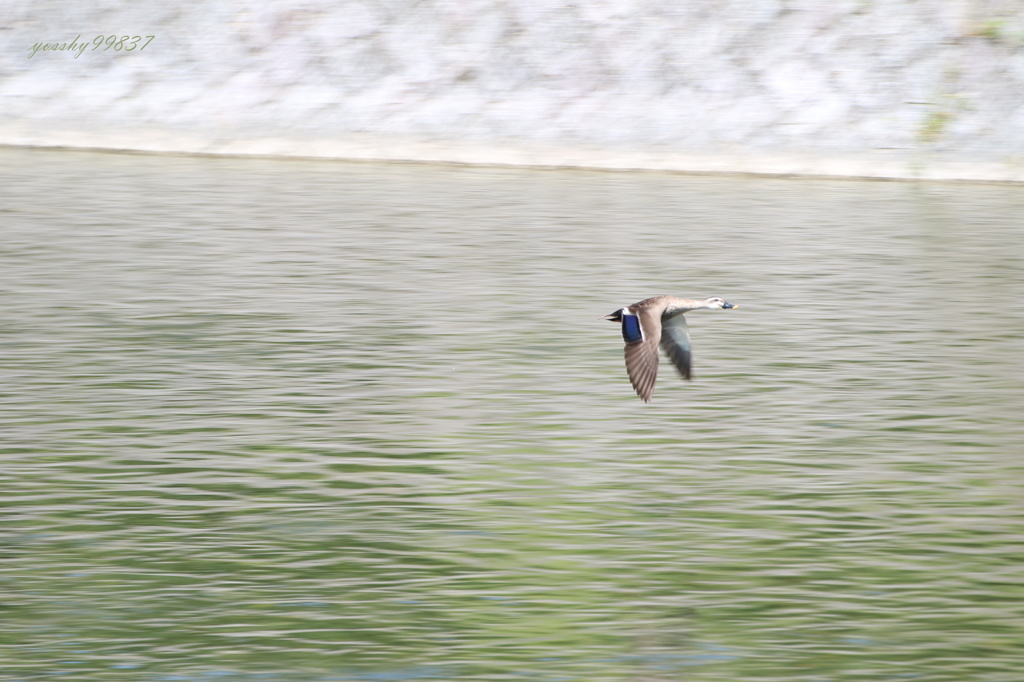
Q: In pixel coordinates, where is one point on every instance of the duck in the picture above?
(658, 321)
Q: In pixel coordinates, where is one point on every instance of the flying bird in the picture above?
(654, 321)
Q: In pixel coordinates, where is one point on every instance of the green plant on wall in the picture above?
(934, 125)
(991, 29)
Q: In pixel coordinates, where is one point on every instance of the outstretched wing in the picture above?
(675, 339)
(642, 350)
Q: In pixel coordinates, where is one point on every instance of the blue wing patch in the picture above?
(631, 331)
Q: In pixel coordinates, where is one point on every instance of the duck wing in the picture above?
(642, 352)
(675, 340)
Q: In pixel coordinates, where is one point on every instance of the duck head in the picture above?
(714, 303)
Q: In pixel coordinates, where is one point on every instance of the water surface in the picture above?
(289, 421)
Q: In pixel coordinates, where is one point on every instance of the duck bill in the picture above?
(729, 305)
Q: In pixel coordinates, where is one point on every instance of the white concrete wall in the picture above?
(898, 88)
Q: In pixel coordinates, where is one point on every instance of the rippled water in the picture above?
(279, 420)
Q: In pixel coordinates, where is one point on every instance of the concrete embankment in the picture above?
(889, 89)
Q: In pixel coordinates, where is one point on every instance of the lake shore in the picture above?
(908, 165)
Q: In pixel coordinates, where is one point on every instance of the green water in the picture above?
(289, 421)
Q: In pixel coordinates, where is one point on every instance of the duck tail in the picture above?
(613, 317)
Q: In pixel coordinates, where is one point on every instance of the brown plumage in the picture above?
(654, 322)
